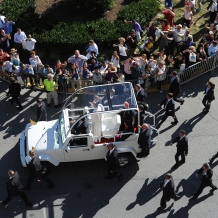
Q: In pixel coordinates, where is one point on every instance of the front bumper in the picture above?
(23, 148)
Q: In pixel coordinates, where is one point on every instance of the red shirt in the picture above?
(169, 17)
(3, 56)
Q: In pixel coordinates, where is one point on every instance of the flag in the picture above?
(32, 122)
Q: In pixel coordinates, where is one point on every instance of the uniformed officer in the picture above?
(112, 161)
(36, 171)
(50, 89)
(15, 188)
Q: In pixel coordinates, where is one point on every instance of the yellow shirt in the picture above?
(49, 85)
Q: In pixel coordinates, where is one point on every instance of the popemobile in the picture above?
(91, 117)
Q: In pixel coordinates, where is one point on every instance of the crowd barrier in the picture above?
(151, 84)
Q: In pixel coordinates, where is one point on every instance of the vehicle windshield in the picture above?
(110, 96)
(62, 128)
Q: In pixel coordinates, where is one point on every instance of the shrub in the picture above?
(142, 11)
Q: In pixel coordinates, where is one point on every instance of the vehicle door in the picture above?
(78, 149)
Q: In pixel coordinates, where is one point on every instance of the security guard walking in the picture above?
(50, 89)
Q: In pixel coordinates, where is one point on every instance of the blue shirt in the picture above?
(46, 71)
(136, 27)
(75, 76)
(212, 49)
(8, 27)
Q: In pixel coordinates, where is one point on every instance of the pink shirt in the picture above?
(126, 67)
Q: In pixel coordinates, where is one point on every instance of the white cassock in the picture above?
(97, 122)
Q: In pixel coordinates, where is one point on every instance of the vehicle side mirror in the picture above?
(67, 149)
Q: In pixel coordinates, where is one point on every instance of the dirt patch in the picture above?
(112, 14)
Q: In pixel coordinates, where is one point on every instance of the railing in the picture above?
(150, 84)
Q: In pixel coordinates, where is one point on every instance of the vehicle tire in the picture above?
(125, 159)
(48, 166)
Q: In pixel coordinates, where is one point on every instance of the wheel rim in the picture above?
(123, 160)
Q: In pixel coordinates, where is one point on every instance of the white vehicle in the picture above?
(59, 141)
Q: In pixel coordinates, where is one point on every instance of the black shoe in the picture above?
(26, 188)
(19, 108)
(120, 176)
(107, 177)
(58, 105)
(174, 123)
(4, 203)
(213, 189)
(176, 198)
(50, 186)
(182, 102)
(193, 198)
(48, 105)
(29, 204)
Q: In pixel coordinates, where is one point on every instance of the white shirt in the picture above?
(18, 38)
(93, 48)
(111, 150)
(29, 44)
(122, 50)
(2, 20)
(178, 35)
(165, 182)
(187, 15)
(115, 61)
(213, 7)
(102, 69)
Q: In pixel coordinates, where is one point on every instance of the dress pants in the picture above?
(16, 99)
(180, 153)
(54, 95)
(22, 194)
(205, 103)
(163, 202)
(202, 186)
(165, 117)
(42, 176)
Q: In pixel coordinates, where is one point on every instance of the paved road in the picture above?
(81, 191)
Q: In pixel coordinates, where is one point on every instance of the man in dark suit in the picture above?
(41, 111)
(140, 93)
(36, 171)
(169, 106)
(175, 87)
(206, 180)
(15, 188)
(14, 91)
(128, 128)
(144, 140)
(182, 147)
(112, 162)
(80, 127)
(209, 96)
(168, 188)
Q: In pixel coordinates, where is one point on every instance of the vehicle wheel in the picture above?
(125, 159)
(48, 166)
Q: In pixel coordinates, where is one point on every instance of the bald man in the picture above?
(144, 140)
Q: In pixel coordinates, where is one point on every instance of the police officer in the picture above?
(36, 170)
(14, 188)
(14, 91)
(112, 162)
(50, 89)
